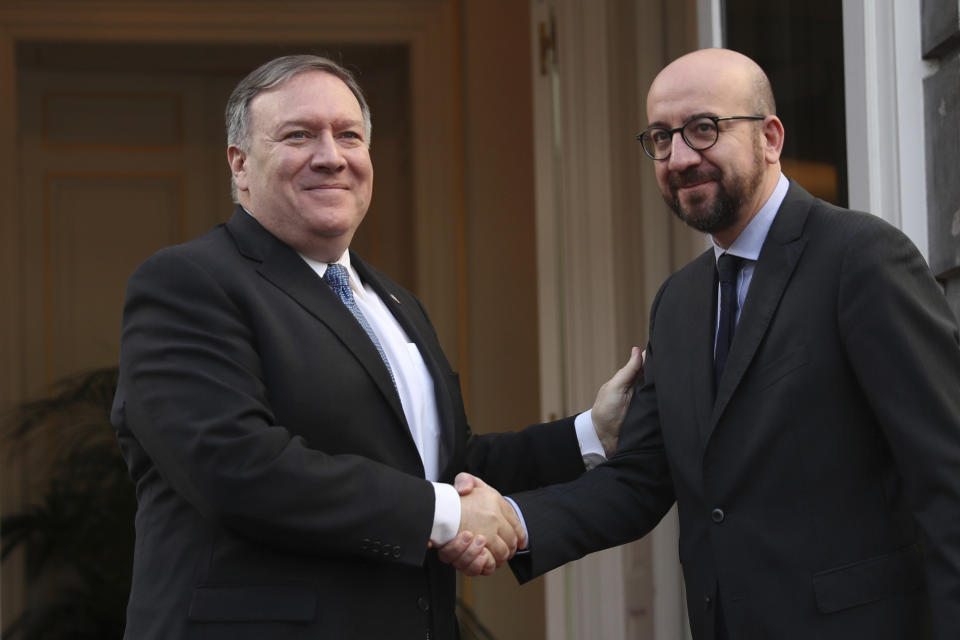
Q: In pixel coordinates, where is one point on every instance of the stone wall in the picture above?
(941, 44)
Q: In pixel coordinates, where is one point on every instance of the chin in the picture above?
(330, 224)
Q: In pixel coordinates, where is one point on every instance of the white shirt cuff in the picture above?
(590, 447)
(446, 514)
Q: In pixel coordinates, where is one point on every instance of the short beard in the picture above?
(724, 211)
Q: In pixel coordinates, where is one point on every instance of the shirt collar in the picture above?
(751, 239)
(321, 268)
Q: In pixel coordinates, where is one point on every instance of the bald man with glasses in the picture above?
(801, 401)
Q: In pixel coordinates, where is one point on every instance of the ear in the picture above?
(237, 160)
(772, 139)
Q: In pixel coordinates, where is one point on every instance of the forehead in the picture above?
(307, 95)
(680, 93)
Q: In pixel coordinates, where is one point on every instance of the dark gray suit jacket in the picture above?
(820, 490)
(280, 492)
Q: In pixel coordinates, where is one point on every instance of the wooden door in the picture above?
(123, 152)
(114, 166)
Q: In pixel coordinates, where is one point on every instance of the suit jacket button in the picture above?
(423, 604)
(717, 515)
(396, 552)
(707, 600)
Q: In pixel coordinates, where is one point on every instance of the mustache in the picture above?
(694, 175)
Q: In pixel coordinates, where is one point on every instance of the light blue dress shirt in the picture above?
(748, 245)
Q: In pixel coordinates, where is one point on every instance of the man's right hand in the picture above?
(484, 513)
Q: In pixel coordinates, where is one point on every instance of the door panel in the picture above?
(115, 166)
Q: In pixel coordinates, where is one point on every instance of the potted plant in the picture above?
(77, 538)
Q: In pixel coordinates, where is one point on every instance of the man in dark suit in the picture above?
(815, 460)
(287, 413)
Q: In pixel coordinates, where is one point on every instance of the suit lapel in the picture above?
(778, 258)
(280, 265)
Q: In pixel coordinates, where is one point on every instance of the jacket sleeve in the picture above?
(537, 456)
(614, 503)
(902, 342)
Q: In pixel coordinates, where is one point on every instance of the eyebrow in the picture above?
(309, 123)
(659, 124)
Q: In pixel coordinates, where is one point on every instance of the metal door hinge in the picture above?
(548, 45)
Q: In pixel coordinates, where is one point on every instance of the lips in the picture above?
(321, 187)
(694, 185)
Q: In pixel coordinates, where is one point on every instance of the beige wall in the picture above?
(502, 382)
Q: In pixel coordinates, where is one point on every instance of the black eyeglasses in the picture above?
(700, 133)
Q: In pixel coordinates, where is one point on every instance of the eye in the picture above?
(353, 136)
(297, 135)
(660, 136)
(702, 128)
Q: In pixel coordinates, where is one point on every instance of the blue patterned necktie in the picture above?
(728, 267)
(336, 276)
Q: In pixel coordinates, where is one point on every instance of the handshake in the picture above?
(490, 531)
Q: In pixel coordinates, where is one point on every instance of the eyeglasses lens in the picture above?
(700, 133)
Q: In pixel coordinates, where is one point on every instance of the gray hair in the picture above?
(273, 74)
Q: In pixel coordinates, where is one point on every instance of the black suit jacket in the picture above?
(280, 492)
(819, 492)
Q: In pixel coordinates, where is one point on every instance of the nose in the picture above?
(327, 155)
(681, 155)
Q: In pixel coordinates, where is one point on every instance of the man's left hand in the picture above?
(613, 398)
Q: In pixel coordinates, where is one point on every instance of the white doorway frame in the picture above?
(884, 72)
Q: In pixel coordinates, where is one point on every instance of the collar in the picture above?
(321, 268)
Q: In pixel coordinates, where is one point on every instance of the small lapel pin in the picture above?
(394, 298)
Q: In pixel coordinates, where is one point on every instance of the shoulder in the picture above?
(690, 273)
(834, 233)
(863, 239)
(200, 258)
(838, 222)
(207, 247)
